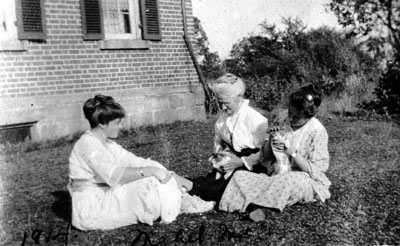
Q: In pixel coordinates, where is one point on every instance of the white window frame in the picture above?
(134, 18)
(8, 20)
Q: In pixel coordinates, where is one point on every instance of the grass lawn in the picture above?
(364, 208)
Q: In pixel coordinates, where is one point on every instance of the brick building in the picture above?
(55, 54)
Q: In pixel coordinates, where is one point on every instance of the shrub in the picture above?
(267, 93)
(388, 89)
(276, 63)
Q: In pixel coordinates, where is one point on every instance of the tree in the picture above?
(388, 89)
(377, 21)
(200, 36)
(276, 62)
(210, 63)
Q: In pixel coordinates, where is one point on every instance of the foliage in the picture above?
(276, 62)
(377, 21)
(363, 209)
(388, 90)
(210, 63)
(267, 92)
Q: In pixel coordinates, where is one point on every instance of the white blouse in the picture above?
(247, 128)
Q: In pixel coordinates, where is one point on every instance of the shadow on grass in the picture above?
(62, 206)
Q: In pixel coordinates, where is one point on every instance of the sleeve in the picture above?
(251, 160)
(217, 139)
(99, 160)
(129, 159)
(257, 125)
(258, 130)
(319, 156)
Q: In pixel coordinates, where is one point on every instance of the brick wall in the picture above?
(49, 81)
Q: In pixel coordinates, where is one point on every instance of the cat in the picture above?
(282, 163)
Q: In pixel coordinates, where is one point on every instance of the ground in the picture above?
(364, 208)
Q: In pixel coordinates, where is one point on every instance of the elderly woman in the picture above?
(111, 187)
(239, 134)
(305, 144)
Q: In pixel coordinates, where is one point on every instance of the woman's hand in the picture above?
(161, 174)
(233, 163)
(183, 183)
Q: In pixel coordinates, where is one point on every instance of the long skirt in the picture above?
(144, 200)
(274, 192)
(212, 186)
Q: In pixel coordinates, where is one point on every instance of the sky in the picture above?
(228, 21)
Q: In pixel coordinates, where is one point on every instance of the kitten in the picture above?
(218, 161)
(282, 163)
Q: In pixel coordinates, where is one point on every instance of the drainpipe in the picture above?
(190, 48)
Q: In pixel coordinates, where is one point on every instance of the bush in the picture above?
(267, 93)
(211, 66)
(277, 63)
(388, 89)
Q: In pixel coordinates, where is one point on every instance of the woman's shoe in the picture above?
(194, 204)
(257, 215)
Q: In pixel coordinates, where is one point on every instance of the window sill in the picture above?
(13, 45)
(122, 44)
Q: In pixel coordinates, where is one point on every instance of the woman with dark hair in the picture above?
(305, 145)
(111, 187)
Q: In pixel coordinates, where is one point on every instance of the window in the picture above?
(8, 18)
(30, 19)
(121, 19)
(20, 20)
(131, 20)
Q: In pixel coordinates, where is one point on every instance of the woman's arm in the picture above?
(217, 140)
(257, 126)
(109, 168)
(300, 161)
(129, 174)
(319, 156)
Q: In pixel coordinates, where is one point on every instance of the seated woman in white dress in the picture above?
(305, 144)
(111, 187)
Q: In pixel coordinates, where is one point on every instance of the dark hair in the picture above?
(102, 109)
(307, 100)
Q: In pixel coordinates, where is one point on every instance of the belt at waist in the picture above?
(243, 153)
(79, 184)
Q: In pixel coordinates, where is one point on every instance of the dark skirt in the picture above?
(209, 188)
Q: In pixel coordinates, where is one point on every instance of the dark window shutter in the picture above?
(150, 19)
(92, 23)
(30, 19)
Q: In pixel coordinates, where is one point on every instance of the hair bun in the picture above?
(102, 109)
(90, 104)
(102, 100)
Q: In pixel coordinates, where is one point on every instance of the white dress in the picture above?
(97, 207)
